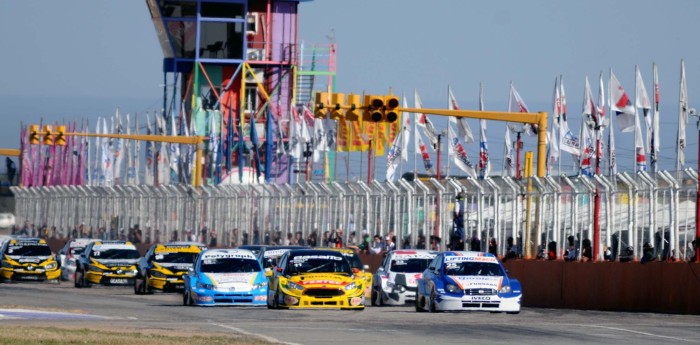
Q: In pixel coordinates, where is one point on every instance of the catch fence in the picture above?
(531, 217)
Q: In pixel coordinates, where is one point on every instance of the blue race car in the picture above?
(468, 281)
(226, 277)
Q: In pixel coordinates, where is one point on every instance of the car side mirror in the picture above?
(355, 270)
(365, 267)
(279, 269)
(380, 269)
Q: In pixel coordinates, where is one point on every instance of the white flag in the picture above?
(423, 121)
(304, 128)
(320, 140)
(643, 102)
(394, 156)
(621, 105)
(508, 156)
(465, 131)
(107, 172)
(484, 162)
(118, 148)
(517, 105)
(568, 142)
(457, 151)
(682, 120)
(406, 130)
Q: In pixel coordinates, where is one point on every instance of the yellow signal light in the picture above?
(320, 110)
(48, 136)
(353, 114)
(392, 113)
(61, 136)
(34, 134)
(337, 102)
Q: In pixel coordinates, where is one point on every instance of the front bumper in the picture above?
(479, 303)
(353, 300)
(396, 297)
(166, 284)
(21, 274)
(203, 297)
(111, 279)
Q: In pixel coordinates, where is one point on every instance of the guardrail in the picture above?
(656, 210)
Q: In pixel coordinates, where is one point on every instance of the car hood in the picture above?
(477, 282)
(238, 281)
(174, 268)
(116, 262)
(405, 279)
(322, 279)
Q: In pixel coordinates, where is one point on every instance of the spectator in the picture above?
(337, 240)
(511, 249)
(389, 244)
(299, 239)
(457, 235)
(552, 250)
(325, 241)
(256, 237)
(377, 246)
(312, 240)
(586, 251)
(138, 235)
(607, 254)
(475, 243)
(11, 170)
(233, 239)
(364, 247)
(627, 255)
(435, 243)
(647, 253)
(212, 239)
(246, 238)
(290, 239)
(421, 241)
(493, 247)
(406, 242)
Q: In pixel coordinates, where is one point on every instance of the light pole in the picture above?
(693, 113)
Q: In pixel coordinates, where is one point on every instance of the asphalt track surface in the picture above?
(118, 308)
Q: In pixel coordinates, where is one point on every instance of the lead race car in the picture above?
(226, 277)
(468, 281)
(310, 278)
(396, 280)
(164, 265)
(28, 259)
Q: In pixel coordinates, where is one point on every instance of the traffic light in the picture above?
(33, 134)
(337, 102)
(61, 136)
(354, 102)
(320, 110)
(48, 136)
(391, 113)
(374, 108)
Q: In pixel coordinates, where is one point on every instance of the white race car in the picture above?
(396, 280)
(68, 254)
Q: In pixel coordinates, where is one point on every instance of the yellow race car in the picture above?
(28, 259)
(164, 265)
(309, 278)
(355, 263)
(106, 263)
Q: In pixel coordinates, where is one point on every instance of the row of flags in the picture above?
(106, 162)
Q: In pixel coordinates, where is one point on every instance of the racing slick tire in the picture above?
(137, 286)
(187, 299)
(419, 309)
(433, 297)
(513, 312)
(374, 297)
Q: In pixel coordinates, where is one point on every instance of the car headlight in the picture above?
(260, 286)
(158, 274)
(7, 264)
(294, 286)
(452, 288)
(205, 286)
(400, 288)
(505, 289)
(51, 266)
(94, 268)
(351, 286)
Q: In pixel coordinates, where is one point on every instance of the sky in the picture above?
(83, 58)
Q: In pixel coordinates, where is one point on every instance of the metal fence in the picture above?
(638, 213)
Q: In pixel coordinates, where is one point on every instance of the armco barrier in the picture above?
(658, 287)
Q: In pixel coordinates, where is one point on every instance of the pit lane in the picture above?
(118, 308)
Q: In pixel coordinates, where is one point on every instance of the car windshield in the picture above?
(115, 254)
(319, 264)
(176, 258)
(409, 265)
(466, 268)
(29, 250)
(230, 265)
(354, 261)
(75, 251)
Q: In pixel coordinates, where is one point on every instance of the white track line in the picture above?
(643, 333)
(264, 337)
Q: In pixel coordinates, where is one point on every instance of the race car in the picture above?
(356, 263)
(396, 280)
(28, 259)
(269, 255)
(164, 265)
(225, 277)
(67, 255)
(468, 281)
(310, 278)
(106, 263)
